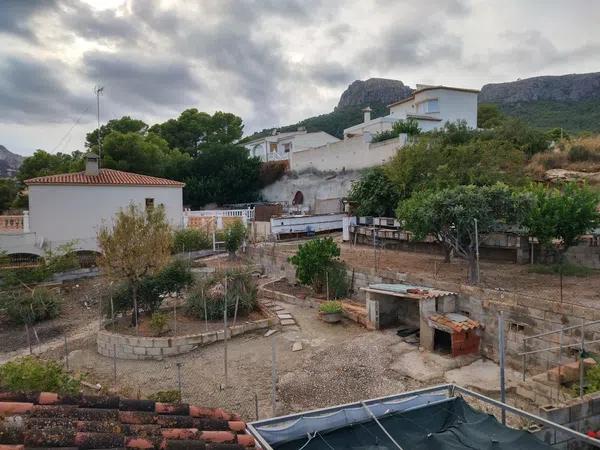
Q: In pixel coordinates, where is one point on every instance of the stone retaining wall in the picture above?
(134, 347)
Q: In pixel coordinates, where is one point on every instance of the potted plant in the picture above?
(331, 311)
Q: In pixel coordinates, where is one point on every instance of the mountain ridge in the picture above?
(9, 162)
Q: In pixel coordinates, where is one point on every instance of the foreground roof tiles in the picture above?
(104, 177)
(47, 420)
(456, 326)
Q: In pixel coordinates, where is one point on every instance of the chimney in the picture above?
(367, 113)
(92, 164)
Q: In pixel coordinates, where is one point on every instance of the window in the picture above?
(273, 147)
(431, 106)
(149, 203)
(516, 327)
(256, 150)
(287, 147)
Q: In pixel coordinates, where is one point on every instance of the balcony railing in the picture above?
(15, 223)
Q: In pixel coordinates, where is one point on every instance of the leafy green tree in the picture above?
(194, 130)
(562, 214)
(136, 245)
(457, 158)
(123, 125)
(450, 214)
(556, 134)
(235, 234)
(145, 154)
(313, 259)
(222, 174)
(8, 193)
(374, 194)
(42, 163)
(514, 131)
(409, 126)
(489, 115)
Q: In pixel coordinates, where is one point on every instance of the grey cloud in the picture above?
(404, 47)
(131, 79)
(16, 15)
(33, 90)
(331, 74)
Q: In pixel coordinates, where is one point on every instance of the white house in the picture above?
(72, 206)
(430, 106)
(280, 146)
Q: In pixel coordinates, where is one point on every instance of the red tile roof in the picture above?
(105, 177)
(93, 422)
(453, 325)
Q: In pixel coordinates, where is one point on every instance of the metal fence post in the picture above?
(66, 355)
(524, 358)
(115, 364)
(560, 343)
(501, 350)
(581, 360)
(179, 364)
(273, 376)
(256, 404)
(225, 333)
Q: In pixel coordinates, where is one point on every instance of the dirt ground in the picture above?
(494, 275)
(81, 301)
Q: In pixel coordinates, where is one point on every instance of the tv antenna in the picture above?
(98, 91)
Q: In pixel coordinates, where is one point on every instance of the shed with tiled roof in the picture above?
(47, 420)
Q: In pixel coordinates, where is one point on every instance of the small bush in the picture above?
(166, 397)
(235, 234)
(31, 374)
(25, 307)
(384, 136)
(331, 307)
(568, 270)
(337, 278)
(158, 323)
(173, 278)
(312, 260)
(579, 153)
(240, 288)
(190, 240)
(272, 171)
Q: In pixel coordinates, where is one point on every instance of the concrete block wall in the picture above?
(136, 347)
(579, 415)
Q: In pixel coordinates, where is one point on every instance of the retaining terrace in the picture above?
(141, 347)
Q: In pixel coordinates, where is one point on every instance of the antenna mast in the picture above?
(99, 91)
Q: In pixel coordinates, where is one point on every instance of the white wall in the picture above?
(349, 154)
(309, 140)
(299, 140)
(453, 105)
(63, 213)
(372, 126)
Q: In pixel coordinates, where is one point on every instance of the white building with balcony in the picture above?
(430, 106)
(280, 146)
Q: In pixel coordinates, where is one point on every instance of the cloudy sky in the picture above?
(272, 62)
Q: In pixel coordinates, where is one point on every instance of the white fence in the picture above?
(246, 215)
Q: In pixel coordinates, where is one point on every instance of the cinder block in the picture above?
(139, 350)
(155, 351)
(558, 415)
(580, 411)
(209, 338)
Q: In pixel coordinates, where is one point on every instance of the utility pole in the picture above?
(99, 91)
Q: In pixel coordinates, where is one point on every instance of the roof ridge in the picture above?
(105, 176)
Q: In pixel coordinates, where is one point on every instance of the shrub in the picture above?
(312, 259)
(271, 171)
(159, 322)
(190, 239)
(408, 126)
(337, 278)
(331, 307)
(579, 153)
(235, 234)
(166, 397)
(384, 136)
(25, 307)
(173, 278)
(240, 288)
(31, 374)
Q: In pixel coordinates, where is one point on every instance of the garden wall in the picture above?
(523, 315)
(135, 347)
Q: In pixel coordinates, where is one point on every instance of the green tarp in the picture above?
(447, 425)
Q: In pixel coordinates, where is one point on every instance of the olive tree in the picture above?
(561, 215)
(137, 244)
(451, 214)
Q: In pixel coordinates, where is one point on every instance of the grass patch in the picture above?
(568, 270)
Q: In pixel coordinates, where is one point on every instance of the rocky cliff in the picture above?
(564, 88)
(9, 162)
(373, 91)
